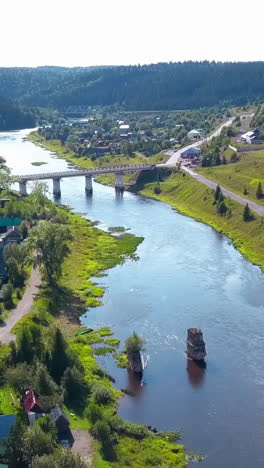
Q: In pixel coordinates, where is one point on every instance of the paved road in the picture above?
(175, 156)
(23, 308)
(252, 205)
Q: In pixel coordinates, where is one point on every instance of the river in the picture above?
(187, 275)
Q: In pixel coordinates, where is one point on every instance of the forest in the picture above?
(186, 85)
(14, 116)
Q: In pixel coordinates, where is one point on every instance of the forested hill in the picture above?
(15, 117)
(162, 86)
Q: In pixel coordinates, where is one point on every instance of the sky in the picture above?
(120, 32)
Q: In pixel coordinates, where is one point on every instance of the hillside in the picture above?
(186, 85)
(15, 117)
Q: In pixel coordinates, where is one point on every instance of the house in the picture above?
(124, 128)
(191, 153)
(60, 418)
(251, 136)
(31, 402)
(195, 134)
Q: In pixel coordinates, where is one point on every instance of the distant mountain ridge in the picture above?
(186, 85)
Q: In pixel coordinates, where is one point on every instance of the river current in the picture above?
(186, 275)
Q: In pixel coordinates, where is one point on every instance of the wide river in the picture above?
(187, 275)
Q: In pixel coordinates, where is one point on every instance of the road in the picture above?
(174, 158)
(22, 308)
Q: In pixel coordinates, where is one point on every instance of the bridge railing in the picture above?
(83, 172)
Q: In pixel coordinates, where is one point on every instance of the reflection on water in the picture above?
(196, 372)
(187, 276)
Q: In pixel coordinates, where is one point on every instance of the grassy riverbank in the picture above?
(246, 173)
(104, 161)
(92, 252)
(196, 200)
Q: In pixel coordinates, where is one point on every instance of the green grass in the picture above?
(196, 200)
(38, 163)
(248, 171)
(9, 403)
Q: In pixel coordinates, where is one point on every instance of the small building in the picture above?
(31, 402)
(191, 153)
(60, 418)
(196, 134)
(251, 136)
(124, 129)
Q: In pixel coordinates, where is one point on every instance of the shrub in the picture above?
(94, 412)
(157, 190)
(134, 343)
(102, 395)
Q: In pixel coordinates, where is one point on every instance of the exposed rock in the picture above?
(195, 344)
(135, 362)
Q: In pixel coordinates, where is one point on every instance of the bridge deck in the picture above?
(84, 172)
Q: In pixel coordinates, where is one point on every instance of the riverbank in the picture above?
(93, 252)
(104, 161)
(193, 199)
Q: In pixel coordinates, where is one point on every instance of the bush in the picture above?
(134, 344)
(7, 291)
(102, 395)
(94, 412)
(157, 190)
(137, 431)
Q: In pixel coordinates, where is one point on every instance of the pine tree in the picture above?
(245, 191)
(59, 357)
(247, 215)
(222, 209)
(217, 192)
(259, 192)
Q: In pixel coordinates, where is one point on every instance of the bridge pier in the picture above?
(56, 187)
(119, 182)
(23, 188)
(88, 184)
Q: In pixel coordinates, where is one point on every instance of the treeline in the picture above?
(15, 117)
(186, 85)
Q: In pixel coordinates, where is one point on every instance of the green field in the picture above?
(247, 172)
(196, 200)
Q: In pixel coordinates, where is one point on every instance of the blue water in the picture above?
(187, 275)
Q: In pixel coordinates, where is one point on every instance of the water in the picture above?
(187, 275)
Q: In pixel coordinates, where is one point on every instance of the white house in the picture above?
(196, 134)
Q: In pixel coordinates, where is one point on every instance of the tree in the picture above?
(222, 209)
(259, 192)
(61, 458)
(20, 377)
(59, 359)
(135, 344)
(245, 191)
(14, 446)
(44, 382)
(39, 196)
(247, 215)
(50, 242)
(25, 351)
(75, 386)
(7, 292)
(217, 192)
(37, 442)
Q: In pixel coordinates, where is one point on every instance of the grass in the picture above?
(239, 175)
(9, 403)
(38, 163)
(196, 200)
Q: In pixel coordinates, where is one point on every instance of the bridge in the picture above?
(56, 177)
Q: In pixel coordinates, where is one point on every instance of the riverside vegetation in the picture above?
(48, 355)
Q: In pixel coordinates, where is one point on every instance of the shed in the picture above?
(60, 418)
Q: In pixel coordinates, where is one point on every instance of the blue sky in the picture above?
(93, 32)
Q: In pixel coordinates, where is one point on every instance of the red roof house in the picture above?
(31, 402)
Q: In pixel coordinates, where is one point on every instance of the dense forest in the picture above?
(186, 85)
(15, 117)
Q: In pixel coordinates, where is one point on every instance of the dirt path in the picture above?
(23, 308)
(83, 444)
